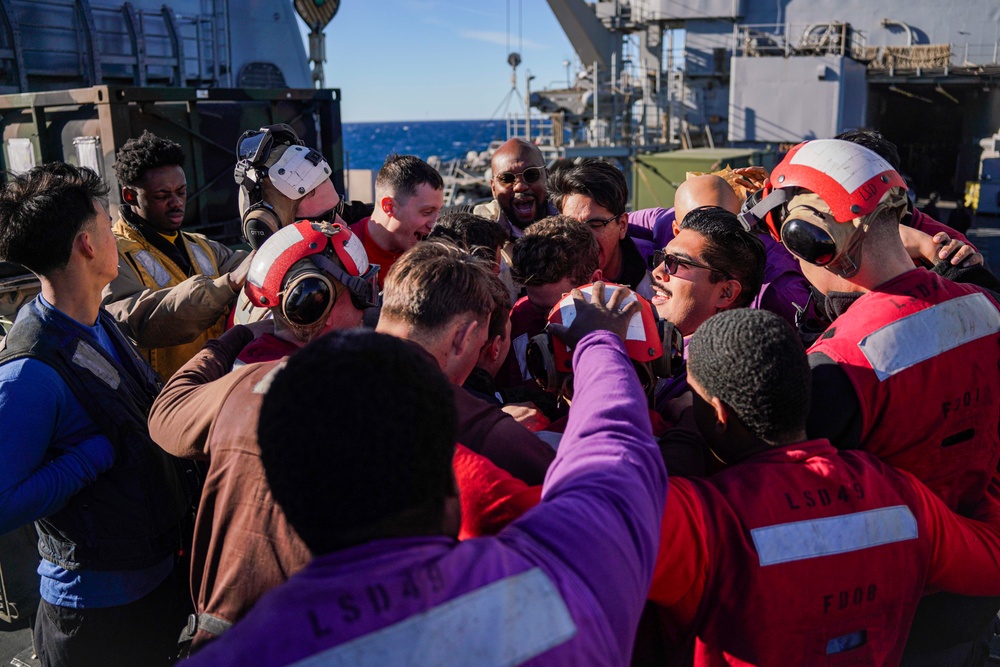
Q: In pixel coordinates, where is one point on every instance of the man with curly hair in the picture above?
(174, 288)
(554, 256)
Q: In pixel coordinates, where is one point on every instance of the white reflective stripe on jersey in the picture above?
(90, 359)
(156, 270)
(504, 623)
(203, 260)
(800, 540)
(928, 333)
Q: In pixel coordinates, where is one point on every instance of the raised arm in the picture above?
(604, 494)
(172, 315)
(182, 414)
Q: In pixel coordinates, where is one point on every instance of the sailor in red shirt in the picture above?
(796, 554)
(555, 255)
(409, 194)
(908, 368)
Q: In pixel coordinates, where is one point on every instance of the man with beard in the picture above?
(174, 288)
(520, 197)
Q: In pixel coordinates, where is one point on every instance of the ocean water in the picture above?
(366, 145)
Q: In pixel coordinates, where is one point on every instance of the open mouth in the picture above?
(524, 207)
(660, 295)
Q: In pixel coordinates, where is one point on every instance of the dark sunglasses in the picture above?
(529, 175)
(672, 262)
(597, 223)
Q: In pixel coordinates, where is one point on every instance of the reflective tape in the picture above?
(501, 624)
(813, 538)
(203, 260)
(928, 333)
(157, 272)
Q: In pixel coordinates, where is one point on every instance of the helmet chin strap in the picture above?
(848, 263)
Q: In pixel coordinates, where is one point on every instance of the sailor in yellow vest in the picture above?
(174, 289)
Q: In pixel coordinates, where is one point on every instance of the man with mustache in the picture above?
(520, 197)
(174, 288)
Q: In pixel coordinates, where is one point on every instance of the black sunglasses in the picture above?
(672, 262)
(597, 223)
(529, 175)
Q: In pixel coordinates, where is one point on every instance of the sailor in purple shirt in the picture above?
(783, 288)
(372, 495)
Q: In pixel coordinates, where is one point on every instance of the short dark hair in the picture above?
(475, 233)
(555, 248)
(434, 282)
(340, 474)
(501, 309)
(599, 180)
(729, 248)
(403, 174)
(43, 210)
(753, 361)
(137, 156)
(873, 141)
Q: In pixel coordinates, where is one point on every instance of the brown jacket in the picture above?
(243, 545)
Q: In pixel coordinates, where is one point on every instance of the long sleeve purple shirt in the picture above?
(562, 585)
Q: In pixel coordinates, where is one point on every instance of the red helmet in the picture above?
(642, 341)
(656, 346)
(851, 180)
(293, 268)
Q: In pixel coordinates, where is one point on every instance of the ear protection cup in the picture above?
(542, 363)
(259, 222)
(671, 363)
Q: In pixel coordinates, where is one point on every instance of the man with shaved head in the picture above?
(784, 286)
(704, 190)
(520, 197)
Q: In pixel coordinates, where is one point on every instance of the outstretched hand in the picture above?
(597, 314)
(238, 276)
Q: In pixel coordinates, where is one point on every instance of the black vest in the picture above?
(130, 517)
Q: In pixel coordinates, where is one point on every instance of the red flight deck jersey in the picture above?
(803, 555)
(923, 355)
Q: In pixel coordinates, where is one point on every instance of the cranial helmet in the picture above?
(656, 346)
(275, 152)
(295, 268)
(822, 197)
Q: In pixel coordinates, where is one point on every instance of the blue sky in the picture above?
(438, 59)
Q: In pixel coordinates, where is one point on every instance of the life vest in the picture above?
(130, 517)
(817, 559)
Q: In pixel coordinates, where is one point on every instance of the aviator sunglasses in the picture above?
(529, 176)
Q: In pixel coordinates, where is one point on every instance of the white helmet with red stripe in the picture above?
(656, 346)
(642, 342)
(293, 268)
(821, 194)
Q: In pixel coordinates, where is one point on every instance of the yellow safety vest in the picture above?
(157, 271)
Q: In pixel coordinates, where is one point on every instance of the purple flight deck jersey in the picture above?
(562, 585)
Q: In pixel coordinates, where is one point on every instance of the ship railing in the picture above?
(796, 39)
(841, 39)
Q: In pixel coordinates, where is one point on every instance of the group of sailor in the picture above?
(396, 433)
